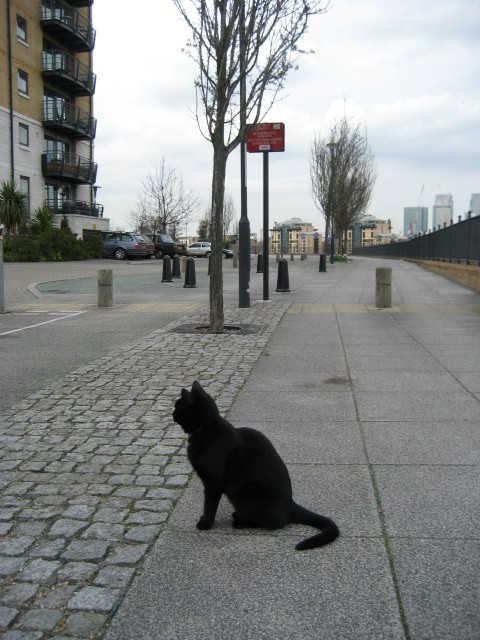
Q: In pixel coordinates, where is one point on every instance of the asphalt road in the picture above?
(39, 348)
(53, 325)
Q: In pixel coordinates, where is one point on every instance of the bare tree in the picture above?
(167, 201)
(343, 173)
(261, 52)
(229, 214)
(139, 216)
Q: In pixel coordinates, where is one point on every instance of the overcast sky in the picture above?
(408, 71)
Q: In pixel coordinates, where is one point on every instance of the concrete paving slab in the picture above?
(403, 381)
(294, 406)
(273, 374)
(322, 442)
(426, 501)
(431, 443)
(257, 587)
(439, 587)
(417, 406)
(412, 363)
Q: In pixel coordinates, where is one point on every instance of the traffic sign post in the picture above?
(266, 138)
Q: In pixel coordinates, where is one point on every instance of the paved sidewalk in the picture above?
(377, 415)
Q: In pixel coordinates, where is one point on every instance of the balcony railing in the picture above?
(67, 25)
(81, 3)
(68, 72)
(64, 117)
(69, 167)
(76, 207)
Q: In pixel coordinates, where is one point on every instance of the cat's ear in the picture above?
(197, 387)
(186, 395)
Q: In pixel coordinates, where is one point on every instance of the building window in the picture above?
(23, 82)
(23, 134)
(21, 29)
(25, 188)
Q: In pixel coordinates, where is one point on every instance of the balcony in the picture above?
(69, 167)
(76, 207)
(66, 118)
(68, 73)
(67, 25)
(81, 3)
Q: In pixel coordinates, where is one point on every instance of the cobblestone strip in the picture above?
(91, 467)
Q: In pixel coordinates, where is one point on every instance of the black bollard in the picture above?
(260, 263)
(167, 269)
(323, 262)
(176, 266)
(190, 281)
(282, 278)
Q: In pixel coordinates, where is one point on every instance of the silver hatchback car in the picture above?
(199, 249)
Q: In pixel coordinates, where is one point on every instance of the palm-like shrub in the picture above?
(13, 207)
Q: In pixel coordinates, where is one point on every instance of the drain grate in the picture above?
(230, 329)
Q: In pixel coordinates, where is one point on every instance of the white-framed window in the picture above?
(22, 79)
(21, 29)
(23, 134)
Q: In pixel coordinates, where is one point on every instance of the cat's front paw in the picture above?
(203, 524)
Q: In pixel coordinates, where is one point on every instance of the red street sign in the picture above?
(266, 137)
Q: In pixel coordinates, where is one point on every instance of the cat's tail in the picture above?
(328, 529)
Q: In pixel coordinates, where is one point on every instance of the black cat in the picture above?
(243, 464)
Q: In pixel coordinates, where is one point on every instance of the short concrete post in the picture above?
(283, 285)
(235, 261)
(105, 288)
(383, 291)
(184, 264)
(176, 266)
(303, 256)
(190, 279)
(260, 263)
(167, 269)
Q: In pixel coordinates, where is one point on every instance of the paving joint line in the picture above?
(378, 500)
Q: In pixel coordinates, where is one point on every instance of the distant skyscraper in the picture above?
(415, 220)
(475, 204)
(442, 210)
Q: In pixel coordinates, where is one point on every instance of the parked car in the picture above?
(199, 249)
(227, 253)
(121, 245)
(150, 245)
(165, 245)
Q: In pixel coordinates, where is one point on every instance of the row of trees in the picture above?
(343, 173)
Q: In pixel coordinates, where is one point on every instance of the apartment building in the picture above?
(47, 123)
(295, 236)
(369, 231)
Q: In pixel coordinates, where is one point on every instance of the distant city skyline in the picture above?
(442, 210)
(415, 220)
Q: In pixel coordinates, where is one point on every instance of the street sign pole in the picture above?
(265, 225)
(266, 137)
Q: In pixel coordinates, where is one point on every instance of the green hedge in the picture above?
(50, 245)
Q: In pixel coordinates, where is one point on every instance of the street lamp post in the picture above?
(331, 146)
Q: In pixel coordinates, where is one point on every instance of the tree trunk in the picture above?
(220, 157)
